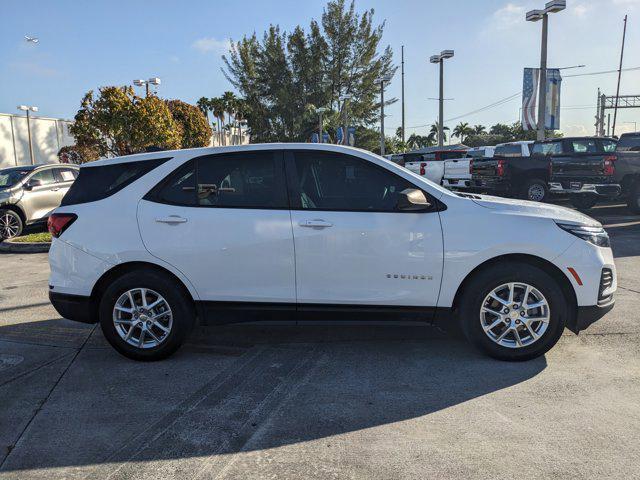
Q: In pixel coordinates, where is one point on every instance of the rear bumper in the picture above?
(73, 307)
(585, 316)
(602, 189)
(456, 183)
(498, 185)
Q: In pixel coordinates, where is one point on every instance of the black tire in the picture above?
(179, 301)
(485, 282)
(633, 199)
(536, 190)
(584, 201)
(11, 224)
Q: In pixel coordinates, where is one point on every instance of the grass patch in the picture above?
(34, 237)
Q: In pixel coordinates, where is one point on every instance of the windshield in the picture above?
(8, 178)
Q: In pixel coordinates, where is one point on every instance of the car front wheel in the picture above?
(514, 311)
(10, 224)
(144, 315)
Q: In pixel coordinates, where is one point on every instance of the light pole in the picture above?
(345, 132)
(381, 81)
(320, 111)
(533, 16)
(27, 108)
(440, 59)
(145, 83)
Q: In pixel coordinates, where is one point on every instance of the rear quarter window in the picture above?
(97, 183)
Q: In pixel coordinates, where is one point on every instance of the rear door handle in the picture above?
(171, 219)
(315, 223)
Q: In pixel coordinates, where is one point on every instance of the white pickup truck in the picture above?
(431, 165)
(457, 171)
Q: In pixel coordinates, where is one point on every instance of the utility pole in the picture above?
(552, 6)
(615, 109)
(542, 104)
(608, 124)
(381, 81)
(320, 111)
(402, 70)
(28, 109)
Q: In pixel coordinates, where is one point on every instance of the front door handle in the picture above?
(55, 189)
(317, 223)
(172, 219)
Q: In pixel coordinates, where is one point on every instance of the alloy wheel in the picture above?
(536, 192)
(9, 226)
(515, 315)
(142, 318)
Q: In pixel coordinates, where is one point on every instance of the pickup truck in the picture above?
(595, 168)
(431, 165)
(457, 171)
(512, 171)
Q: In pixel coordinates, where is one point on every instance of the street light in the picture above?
(145, 83)
(553, 6)
(320, 111)
(381, 81)
(444, 54)
(27, 108)
(345, 133)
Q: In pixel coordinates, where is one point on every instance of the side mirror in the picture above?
(412, 200)
(31, 184)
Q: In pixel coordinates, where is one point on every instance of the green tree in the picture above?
(433, 131)
(462, 130)
(479, 129)
(117, 122)
(194, 127)
(283, 77)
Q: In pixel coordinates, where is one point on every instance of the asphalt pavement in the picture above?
(325, 401)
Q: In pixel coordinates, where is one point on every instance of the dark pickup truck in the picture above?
(513, 171)
(599, 168)
(585, 168)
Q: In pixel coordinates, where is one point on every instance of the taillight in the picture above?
(610, 165)
(500, 170)
(422, 165)
(59, 222)
(470, 166)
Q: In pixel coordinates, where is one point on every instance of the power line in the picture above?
(601, 73)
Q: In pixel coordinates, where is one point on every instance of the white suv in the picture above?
(149, 244)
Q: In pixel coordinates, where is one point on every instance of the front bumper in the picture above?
(73, 307)
(585, 316)
(602, 189)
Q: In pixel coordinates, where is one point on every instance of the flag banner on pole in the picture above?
(530, 99)
(552, 110)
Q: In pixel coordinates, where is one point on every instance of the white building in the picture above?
(48, 135)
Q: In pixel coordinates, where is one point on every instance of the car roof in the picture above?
(191, 152)
(22, 168)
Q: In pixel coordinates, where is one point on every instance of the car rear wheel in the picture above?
(536, 190)
(514, 311)
(144, 315)
(584, 201)
(10, 224)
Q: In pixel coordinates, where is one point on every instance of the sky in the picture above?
(85, 45)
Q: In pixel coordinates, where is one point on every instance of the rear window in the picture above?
(476, 154)
(584, 145)
(96, 183)
(513, 150)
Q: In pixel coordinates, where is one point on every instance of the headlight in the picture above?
(595, 235)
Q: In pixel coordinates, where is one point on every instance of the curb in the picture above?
(24, 247)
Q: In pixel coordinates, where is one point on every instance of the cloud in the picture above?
(581, 9)
(211, 45)
(508, 16)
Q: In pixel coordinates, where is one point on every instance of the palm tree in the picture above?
(217, 108)
(203, 105)
(229, 100)
(462, 130)
(479, 129)
(434, 131)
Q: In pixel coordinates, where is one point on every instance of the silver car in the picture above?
(29, 193)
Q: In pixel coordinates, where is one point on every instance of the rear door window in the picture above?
(608, 146)
(65, 174)
(97, 183)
